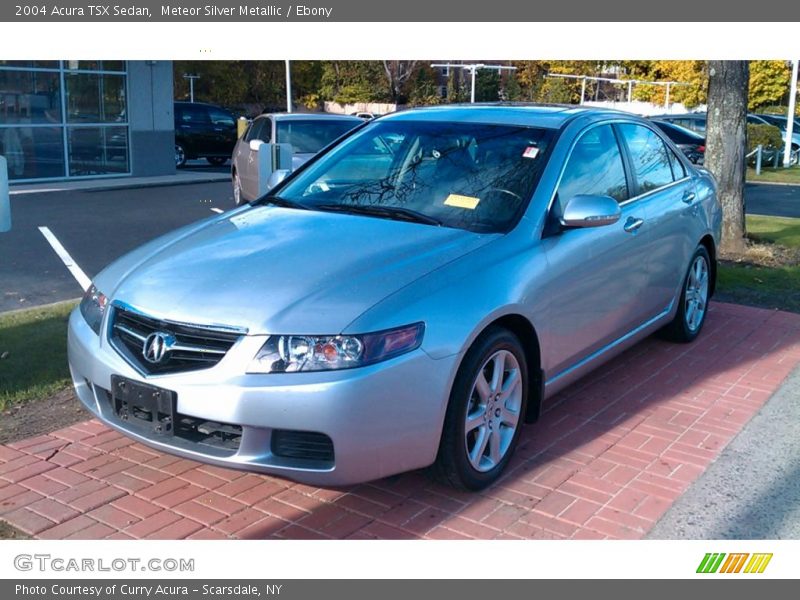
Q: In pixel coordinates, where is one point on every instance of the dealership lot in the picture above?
(608, 459)
(97, 226)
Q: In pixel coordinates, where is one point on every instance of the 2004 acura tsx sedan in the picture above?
(407, 298)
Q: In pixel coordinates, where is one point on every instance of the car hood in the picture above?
(281, 270)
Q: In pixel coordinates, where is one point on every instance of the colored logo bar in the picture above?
(736, 562)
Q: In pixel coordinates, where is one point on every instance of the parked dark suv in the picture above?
(203, 131)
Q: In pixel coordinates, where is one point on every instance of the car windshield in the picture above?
(470, 176)
(312, 135)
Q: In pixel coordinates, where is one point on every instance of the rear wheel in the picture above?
(180, 155)
(693, 307)
(485, 412)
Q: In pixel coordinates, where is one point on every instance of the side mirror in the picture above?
(277, 177)
(590, 211)
(255, 145)
(5, 199)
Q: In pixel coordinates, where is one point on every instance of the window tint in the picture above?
(259, 130)
(649, 157)
(594, 167)
(193, 114)
(221, 118)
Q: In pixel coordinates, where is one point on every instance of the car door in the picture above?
(247, 159)
(595, 297)
(664, 187)
(195, 127)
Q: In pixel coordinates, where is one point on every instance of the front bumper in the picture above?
(382, 419)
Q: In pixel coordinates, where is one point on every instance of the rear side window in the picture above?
(221, 118)
(594, 167)
(678, 170)
(650, 158)
(193, 114)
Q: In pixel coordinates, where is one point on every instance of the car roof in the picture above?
(694, 115)
(546, 116)
(675, 127)
(311, 117)
(186, 103)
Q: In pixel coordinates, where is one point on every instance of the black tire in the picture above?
(453, 465)
(678, 330)
(180, 155)
(217, 161)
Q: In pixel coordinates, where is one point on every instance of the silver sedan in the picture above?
(409, 298)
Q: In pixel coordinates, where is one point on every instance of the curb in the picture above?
(778, 183)
(216, 178)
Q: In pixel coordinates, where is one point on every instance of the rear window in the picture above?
(311, 136)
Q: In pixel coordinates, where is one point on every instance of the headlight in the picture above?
(93, 307)
(292, 353)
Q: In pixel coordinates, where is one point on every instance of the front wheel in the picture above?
(693, 304)
(485, 412)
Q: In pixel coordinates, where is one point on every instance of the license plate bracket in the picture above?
(143, 405)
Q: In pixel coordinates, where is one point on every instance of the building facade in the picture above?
(75, 119)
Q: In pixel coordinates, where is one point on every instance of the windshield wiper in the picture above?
(280, 201)
(390, 212)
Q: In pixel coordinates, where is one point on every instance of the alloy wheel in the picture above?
(180, 155)
(696, 296)
(493, 412)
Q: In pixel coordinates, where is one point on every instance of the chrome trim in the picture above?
(130, 332)
(181, 347)
(208, 327)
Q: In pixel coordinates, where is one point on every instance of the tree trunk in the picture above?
(726, 132)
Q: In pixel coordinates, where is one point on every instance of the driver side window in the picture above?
(594, 168)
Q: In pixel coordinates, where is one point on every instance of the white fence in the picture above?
(376, 108)
(646, 109)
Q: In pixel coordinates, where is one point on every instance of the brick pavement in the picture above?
(607, 459)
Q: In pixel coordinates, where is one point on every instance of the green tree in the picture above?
(487, 86)
(424, 89)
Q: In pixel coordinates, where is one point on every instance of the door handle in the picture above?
(688, 197)
(632, 224)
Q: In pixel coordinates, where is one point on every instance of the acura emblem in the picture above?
(156, 346)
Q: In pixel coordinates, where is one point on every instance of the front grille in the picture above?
(306, 445)
(195, 346)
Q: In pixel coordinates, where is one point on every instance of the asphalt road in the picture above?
(95, 227)
(772, 200)
(752, 490)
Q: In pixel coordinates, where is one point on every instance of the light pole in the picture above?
(191, 79)
(473, 69)
(787, 149)
(288, 87)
